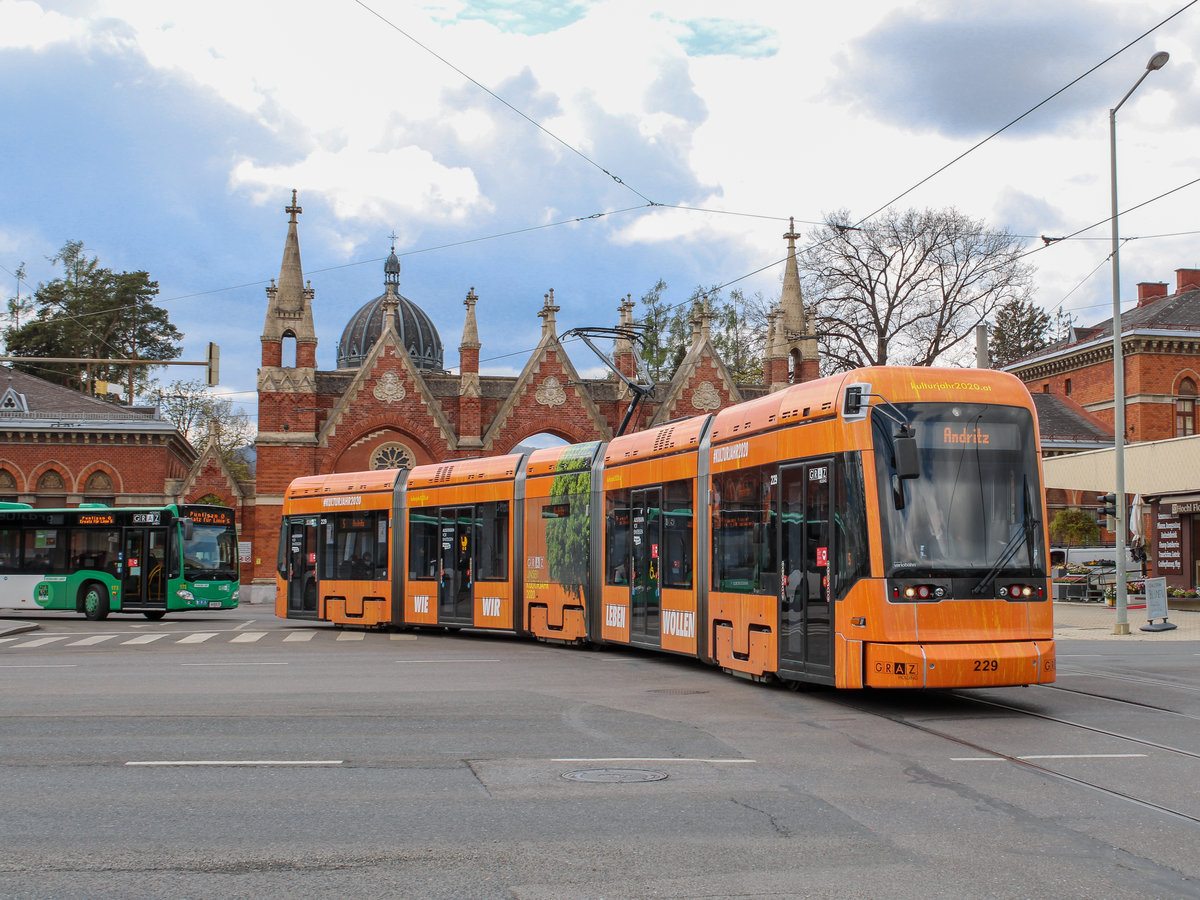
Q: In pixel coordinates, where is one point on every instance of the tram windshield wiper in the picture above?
(1023, 529)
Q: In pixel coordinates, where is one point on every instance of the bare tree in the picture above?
(199, 414)
(908, 288)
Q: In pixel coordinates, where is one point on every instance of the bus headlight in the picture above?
(235, 593)
(185, 594)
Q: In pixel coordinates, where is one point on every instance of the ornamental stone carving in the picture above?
(469, 385)
(705, 398)
(389, 388)
(550, 393)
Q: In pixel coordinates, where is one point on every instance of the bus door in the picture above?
(144, 579)
(456, 581)
(806, 633)
(302, 568)
(645, 586)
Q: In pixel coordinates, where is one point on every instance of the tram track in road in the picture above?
(1032, 764)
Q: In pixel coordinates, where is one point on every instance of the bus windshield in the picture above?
(211, 554)
(975, 504)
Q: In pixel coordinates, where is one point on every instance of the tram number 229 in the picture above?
(987, 665)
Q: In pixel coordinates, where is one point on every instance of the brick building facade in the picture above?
(60, 448)
(1160, 344)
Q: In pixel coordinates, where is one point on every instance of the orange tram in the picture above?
(879, 528)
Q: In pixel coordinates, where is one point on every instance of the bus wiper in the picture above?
(1024, 530)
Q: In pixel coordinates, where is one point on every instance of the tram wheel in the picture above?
(154, 614)
(95, 601)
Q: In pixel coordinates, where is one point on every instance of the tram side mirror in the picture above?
(904, 448)
(187, 529)
(856, 401)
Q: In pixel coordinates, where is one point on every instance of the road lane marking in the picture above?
(48, 666)
(301, 636)
(351, 636)
(144, 639)
(38, 642)
(234, 762)
(402, 637)
(198, 637)
(91, 641)
(646, 759)
(247, 637)
(445, 660)
(236, 664)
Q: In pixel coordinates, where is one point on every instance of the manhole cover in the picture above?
(614, 776)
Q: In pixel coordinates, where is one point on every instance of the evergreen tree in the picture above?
(94, 313)
(1020, 328)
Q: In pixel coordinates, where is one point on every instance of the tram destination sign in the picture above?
(954, 435)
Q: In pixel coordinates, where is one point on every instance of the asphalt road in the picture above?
(237, 755)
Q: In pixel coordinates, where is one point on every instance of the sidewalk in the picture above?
(1094, 621)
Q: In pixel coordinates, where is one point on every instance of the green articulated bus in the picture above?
(97, 559)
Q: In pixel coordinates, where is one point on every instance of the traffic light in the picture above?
(1106, 515)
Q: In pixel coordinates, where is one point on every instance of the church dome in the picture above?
(413, 327)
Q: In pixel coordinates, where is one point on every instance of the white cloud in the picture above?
(25, 25)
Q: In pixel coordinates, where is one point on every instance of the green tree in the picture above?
(664, 331)
(1020, 328)
(908, 288)
(738, 331)
(198, 413)
(1074, 526)
(94, 313)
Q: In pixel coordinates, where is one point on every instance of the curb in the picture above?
(18, 628)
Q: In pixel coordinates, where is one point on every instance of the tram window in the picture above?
(616, 537)
(355, 547)
(95, 549)
(677, 534)
(10, 550)
(491, 543)
(743, 529)
(45, 550)
(423, 543)
(850, 526)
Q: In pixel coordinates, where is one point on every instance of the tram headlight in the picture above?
(1017, 591)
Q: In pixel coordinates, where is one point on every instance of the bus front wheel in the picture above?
(95, 601)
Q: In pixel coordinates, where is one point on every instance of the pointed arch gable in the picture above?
(399, 396)
(549, 383)
(368, 436)
(701, 366)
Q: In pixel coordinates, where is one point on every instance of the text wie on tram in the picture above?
(97, 559)
(879, 528)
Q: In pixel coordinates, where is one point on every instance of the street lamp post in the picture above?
(1157, 61)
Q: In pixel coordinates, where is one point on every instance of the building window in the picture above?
(1185, 408)
(99, 489)
(393, 456)
(1067, 387)
(51, 489)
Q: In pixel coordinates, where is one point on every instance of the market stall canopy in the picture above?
(1151, 467)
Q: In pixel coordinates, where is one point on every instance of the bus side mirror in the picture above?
(187, 529)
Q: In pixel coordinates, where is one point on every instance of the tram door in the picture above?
(302, 568)
(456, 584)
(806, 632)
(144, 579)
(645, 598)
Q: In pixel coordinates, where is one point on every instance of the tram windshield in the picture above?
(975, 504)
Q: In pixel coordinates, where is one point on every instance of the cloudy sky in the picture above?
(517, 145)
